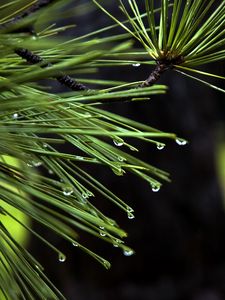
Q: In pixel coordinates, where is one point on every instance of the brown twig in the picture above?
(64, 79)
(161, 67)
(155, 75)
(32, 9)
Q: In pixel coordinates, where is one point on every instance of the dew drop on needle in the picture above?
(136, 65)
(15, 116)
(160, 146)
(67, 190)
(128, 252)
(118, 142)
(181, 142)
(130, 216)
(62, 257)
(155, 188)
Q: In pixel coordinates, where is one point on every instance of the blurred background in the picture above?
(178, 234)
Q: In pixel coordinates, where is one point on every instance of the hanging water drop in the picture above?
(102, 233)
(67, 190)
(130, 216)
(128, 252)
(75, 244)
(36, 163)
(160, 146)
(132, 148)
(87, 114)
(79, 157)
(129, 209)
(90, 194)
(181, 142)
(50, 172)
(155, 188)
(85, 195)
(62, 257)
(120, 158)
(136, 65)
(15, 116)
(118, 172)
(118, 142)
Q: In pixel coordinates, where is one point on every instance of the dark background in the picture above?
(178, 233)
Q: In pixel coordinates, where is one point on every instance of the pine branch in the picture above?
(27, 12)
(62, 197)
(64, 79)
(74, 85)
(187, 34)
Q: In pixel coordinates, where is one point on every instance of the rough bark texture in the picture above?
(64, 79)
(155, 75)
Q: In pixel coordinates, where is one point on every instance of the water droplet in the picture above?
(102, 233)
(45, 145)
(115, 243)
(87, 114)
(85, 195)
(34, 37)
(50, 172)
(36, 163)
(128, 252)
(155, 188)
(67, 190)
(75, 244)
(118, 172)
(89, 193)
(15, 116)
(120, 158)
(102, 227)
(132, 148)
(130, 216)
(129, 209)
(118, 142)
(160, 146)
(79, 157)
(62, 257)
(136, 65)
(181, 142)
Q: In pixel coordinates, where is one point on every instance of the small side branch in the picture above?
(29, 56)
(155, 75)
(64, 79)
(162, 66)
(32, 9)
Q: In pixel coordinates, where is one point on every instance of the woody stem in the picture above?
(155, 75)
